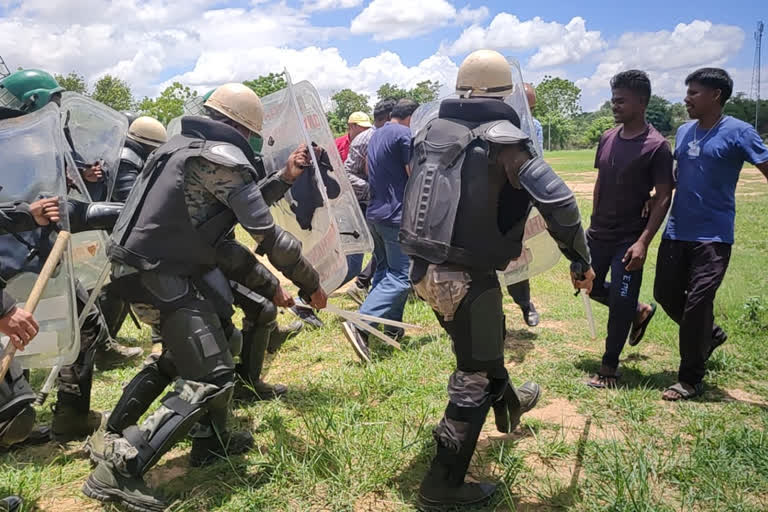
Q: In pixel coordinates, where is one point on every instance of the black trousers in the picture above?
(620, 294)
(688, 275)
(520, 293)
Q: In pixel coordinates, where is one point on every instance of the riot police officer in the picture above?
(145, 134)
(476, 151)
(189, 195)
(28, 91)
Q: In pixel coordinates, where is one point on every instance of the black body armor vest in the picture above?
(459, 205)
(154, 231)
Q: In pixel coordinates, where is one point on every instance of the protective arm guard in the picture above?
(92, 216)
(239, 264)
(284, 253)
(15, 218)
(252, 211)
(274, 187)
(556, 203)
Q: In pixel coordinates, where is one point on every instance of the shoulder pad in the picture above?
(542, 183)
(225, 154)
(130, 155)
(503, 132)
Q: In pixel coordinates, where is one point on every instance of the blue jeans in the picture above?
(391, 284)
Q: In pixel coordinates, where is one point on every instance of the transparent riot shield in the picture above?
(305, 210)
(355, 237)
(33, 161)
(540, 252)
(95, 133)
(174, 127)
(519, 102)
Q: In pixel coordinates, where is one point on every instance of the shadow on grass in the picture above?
(518, 343)
(631, 378)
(713, 394)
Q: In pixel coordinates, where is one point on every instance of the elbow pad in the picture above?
(284, 253)
(252, 211)
(557, 205)
(102, 215)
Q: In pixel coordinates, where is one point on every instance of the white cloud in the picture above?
(388, 20)
(557, 43)
(141, 40)
(324, 5)
(324, 67)
(667, 56)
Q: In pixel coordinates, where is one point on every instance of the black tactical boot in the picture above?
(513, 403)
(208, 450)
(530, 315)
(10, 504)
(111, 355)
(250, 386)
(444, 486)
(70, 424)
(106, 484)
(16, 429)
(280, 336)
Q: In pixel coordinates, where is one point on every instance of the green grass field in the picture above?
(354, 438)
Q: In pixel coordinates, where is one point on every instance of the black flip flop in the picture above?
(637, 332)
(602, 381)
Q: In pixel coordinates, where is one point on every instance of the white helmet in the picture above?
(484, 73)
(238, 103)
(148, 130)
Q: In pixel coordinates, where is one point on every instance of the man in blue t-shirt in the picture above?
(389, 154)
(696, 245)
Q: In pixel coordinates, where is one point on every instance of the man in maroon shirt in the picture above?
(357, 123)
(632, 159)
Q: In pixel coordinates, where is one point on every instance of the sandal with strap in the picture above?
(602, 381)
(683, 393)
(638, 331)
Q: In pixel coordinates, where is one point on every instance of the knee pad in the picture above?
(197, 343)
(170, 425)
(137, 396)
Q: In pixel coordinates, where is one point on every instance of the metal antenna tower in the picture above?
(755, 93)
(4, 72)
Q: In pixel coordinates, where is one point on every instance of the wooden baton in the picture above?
(37, 292)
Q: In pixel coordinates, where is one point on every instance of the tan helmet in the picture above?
(484, 73)
(148, 130)
(238, 103)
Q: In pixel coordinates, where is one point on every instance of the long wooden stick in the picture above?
(37, 292)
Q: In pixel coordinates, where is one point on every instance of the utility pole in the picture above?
(756, 70)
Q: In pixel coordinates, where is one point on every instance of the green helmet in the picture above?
(30, 88)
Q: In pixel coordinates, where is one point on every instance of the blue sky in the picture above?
(362, 43)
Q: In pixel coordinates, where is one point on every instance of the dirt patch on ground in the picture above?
(573, 425)
(67, 504)
(373, 502)
(739, 395)
(583, 190)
